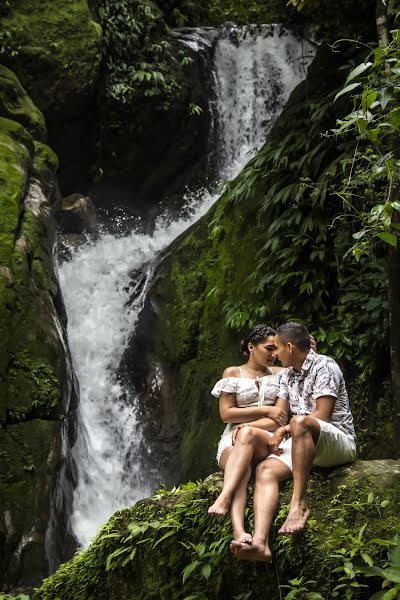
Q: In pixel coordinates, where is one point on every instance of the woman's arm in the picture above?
(231, 413)
(271, 424)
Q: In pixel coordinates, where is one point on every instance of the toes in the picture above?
(216, 512)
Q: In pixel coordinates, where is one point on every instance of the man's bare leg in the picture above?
(238, 507)
(266, 497)
(305, 431)
(250, 441)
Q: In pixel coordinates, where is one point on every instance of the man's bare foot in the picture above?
(295, 521)
(242, 537)
(220, 506)
(253, 551)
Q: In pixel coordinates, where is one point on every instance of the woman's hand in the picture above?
(277, 414)
(236, 431)
(313, 343)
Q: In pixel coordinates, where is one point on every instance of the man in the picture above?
(320, 432)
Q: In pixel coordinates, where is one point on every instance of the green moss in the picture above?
(207, 267)
(45, 166)
(141, 553)
(58, 53)
(15, 104)
(15, 160)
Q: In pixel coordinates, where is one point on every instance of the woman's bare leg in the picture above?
(266, 497)
(250, 441)
(238, 507)
(239, 501)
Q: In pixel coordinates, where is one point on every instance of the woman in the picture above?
(247, 394)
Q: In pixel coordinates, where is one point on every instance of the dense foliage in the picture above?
(305, 268)
(139, 61)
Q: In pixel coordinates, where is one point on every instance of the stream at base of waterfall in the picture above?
(253, 72)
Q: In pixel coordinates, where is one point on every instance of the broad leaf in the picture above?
(358, 70)
(392, 574)
(389, 238)
(187, 571)
(346, 90)
(206, 571)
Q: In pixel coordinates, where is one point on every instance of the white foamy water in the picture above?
(253, 76)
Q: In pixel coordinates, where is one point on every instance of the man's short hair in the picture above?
(296, 333)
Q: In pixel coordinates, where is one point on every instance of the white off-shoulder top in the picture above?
(262, 391)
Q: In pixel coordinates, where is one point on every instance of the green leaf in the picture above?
(392, 574)
(358, 70)
(346, 90)
(389, 238)
(394, 552)
(113, 555)
(384, 96)
(368, 98)
(129, 558)
(166, 535)
(206, 571)
(188, 570)
(366, 558)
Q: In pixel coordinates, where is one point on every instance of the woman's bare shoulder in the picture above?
(276, 370)
(231, 372)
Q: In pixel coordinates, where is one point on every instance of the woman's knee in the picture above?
(246, 435)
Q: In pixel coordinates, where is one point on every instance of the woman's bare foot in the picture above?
(254, 551)
(220, 507)
(296, 520)
(242, 537)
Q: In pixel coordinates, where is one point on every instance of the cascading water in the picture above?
(253, 74)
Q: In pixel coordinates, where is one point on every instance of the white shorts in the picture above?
(333, 448)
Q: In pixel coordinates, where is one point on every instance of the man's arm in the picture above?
(324, 406)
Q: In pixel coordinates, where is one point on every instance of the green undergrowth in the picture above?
(169, 547)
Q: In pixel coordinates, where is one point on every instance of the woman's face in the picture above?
(264, 353)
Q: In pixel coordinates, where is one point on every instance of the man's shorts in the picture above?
(333, 448)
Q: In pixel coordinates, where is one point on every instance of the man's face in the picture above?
(284, 351)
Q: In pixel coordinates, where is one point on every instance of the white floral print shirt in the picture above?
(319, 376)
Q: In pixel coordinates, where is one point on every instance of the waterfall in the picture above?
(253, 72)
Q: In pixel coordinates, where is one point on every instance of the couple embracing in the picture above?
(282, 421)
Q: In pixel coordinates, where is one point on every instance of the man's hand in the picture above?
(277, 439)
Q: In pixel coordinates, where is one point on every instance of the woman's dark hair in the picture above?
(255, 336)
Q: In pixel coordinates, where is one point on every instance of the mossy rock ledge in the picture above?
(143, 552)
(37, 391)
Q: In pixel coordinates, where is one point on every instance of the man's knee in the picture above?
(264, 472)
(301, 423)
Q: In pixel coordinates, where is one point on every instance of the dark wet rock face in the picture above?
(37, 386)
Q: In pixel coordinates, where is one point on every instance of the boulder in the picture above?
(54, 48)
(168, 547)
(77, 214)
